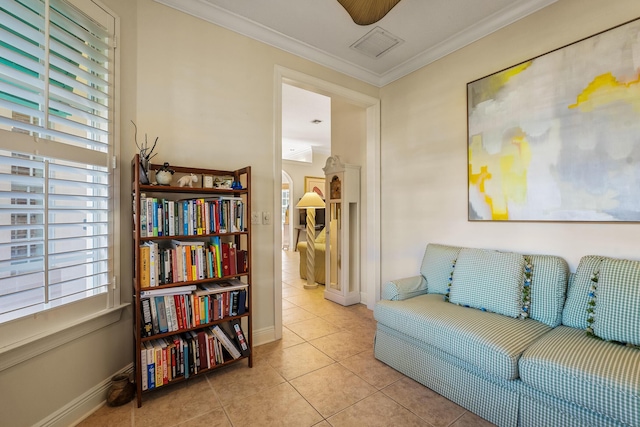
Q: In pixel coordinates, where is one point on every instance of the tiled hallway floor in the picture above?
(321, 373)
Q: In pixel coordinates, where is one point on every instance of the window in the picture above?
(57, 142)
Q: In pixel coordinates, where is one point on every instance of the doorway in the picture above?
(370, 243)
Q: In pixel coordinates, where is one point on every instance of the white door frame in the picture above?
(370, 256)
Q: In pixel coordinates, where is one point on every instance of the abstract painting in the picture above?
(557, 138)
(315, 184)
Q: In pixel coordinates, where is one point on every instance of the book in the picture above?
(171, 359)
(143, 368)
(163, 325)
(211, 348)
(171, 215)
(143, 215)
(233, 328)
(227, 342)
(195, 348)
(241, 261)
(147, 322)
(178, 290)
(233, 303)
(149, 217)
(227, 285)
(160, 217)
(186, 360)
(163, 362)
(225, 259)
(154, 317)
(151, 366)
(233, 262)
(178, 307)
(172, 318)
(215, 241)
(153, 275)
(178, 341)
(242, 301)
(144, 270)
(157, 358)
(202, 350)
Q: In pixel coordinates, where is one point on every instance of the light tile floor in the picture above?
(321, 373)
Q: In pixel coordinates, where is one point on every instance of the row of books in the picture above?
(188, 353)
(162, 217)
(176, 309)
(177, 261)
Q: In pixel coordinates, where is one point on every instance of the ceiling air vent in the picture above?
(376, 42)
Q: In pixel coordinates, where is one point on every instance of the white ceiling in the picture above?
(322, 31)
(300, 136)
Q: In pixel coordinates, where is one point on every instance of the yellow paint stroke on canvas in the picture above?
(488, 88)
(502, 177)
(509, 73)
(605, 89)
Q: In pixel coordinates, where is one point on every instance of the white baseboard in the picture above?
(263, 336)
(83, 406)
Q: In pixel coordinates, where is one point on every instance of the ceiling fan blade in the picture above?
(366, 12)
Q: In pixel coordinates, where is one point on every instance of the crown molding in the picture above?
(481, 29)
(236, 23)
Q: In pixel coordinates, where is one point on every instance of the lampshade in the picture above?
(310, 200)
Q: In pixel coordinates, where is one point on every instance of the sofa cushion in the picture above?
(437, 265)
(617, 303)
(605, 377)
(489, 280)
(575, 307)
(322, 237)
(548, 288)
(489, 341)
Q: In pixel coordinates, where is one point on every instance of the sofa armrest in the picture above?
(401, 289)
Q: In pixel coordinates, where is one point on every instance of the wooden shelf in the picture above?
(240, 239)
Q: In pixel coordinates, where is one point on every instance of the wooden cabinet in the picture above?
(191, 273)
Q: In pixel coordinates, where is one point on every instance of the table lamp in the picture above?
(310, 201)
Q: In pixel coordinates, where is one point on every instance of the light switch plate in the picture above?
(266, 218)
(255, 218)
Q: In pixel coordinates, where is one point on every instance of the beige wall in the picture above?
(424, 160)
(208, 93)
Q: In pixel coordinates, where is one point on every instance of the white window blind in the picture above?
(56, 139)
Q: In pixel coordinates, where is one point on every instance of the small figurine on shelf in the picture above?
(236, 185)
(164, 175)
(187, 180)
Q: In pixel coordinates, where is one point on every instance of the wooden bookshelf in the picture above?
(173, 337)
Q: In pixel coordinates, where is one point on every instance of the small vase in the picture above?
(164, 175)
(121, 390)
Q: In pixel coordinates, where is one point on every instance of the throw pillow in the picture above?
(322, 237)
(489, 280)
(548, 288)
(437, 266)
(617, 302)
(574, 313)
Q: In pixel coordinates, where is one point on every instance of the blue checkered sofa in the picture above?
(518, 339)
